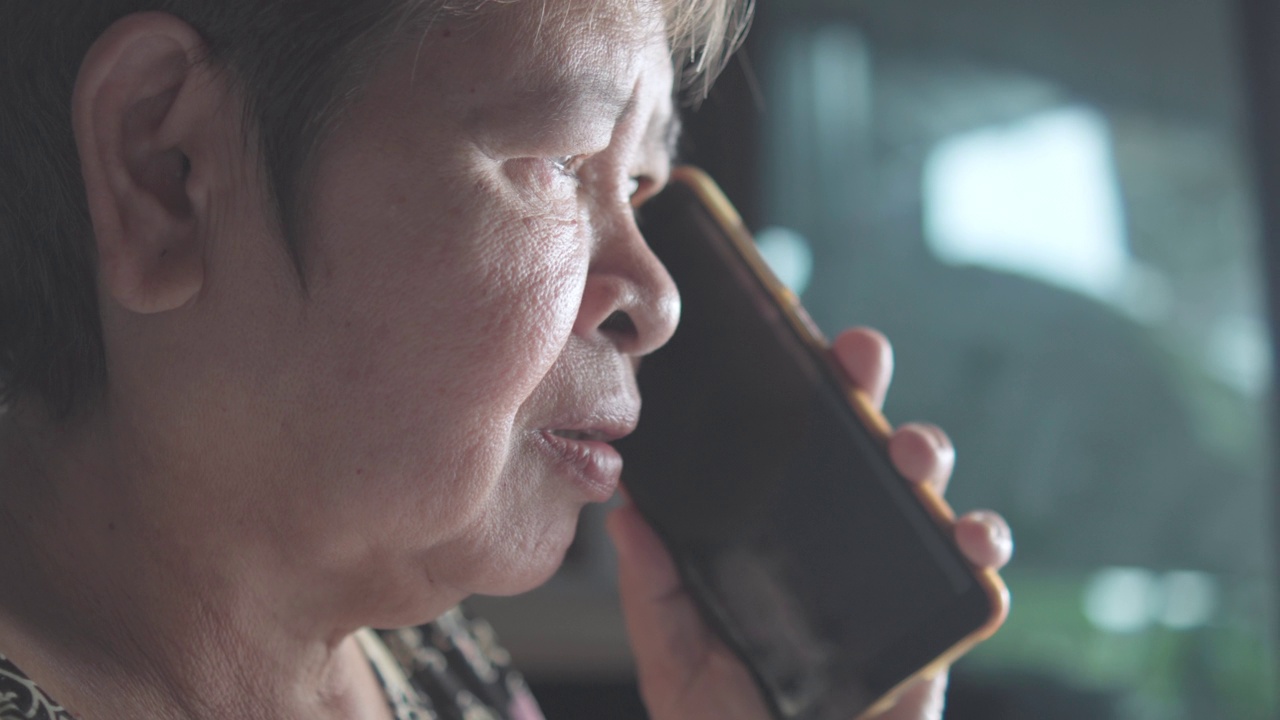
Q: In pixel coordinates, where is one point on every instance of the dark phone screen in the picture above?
(806, 550)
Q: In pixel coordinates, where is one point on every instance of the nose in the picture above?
(629, 298)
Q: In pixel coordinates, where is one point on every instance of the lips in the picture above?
(587, 435)
(583, 451)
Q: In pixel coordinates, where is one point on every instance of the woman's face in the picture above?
(433, 412)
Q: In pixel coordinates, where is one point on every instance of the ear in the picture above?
(140, 112)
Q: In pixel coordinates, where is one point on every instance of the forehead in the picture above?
(560, 30)
(547, 41)
(560, 55)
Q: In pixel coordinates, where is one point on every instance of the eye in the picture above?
(568, 165)
(546, 179)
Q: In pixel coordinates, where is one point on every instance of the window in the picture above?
(1065, 259)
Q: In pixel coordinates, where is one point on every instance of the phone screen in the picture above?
(806, 550)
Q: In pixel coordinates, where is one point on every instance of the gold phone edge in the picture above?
(727, 216)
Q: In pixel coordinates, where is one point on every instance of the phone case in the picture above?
(789, 306)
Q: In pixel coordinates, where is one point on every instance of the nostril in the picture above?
(620, 325)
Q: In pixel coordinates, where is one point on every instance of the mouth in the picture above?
(586, 435)
(585, 456)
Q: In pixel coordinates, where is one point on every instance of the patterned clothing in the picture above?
(20, 699)
(451, 669)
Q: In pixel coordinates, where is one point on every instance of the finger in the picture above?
(923, 454)
(668, 638)
(867, 358)
(985, 539)
(923, 700)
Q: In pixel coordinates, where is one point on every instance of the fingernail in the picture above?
(997, 529)
(941, 442)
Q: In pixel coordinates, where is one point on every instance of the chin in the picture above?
(526, 568)
(499, 575)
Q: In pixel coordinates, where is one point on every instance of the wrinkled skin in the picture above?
(272, 469)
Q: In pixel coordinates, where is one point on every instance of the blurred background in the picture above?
(1053, 210)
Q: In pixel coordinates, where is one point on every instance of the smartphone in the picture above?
(766, 475)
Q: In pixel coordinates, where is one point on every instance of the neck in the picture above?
(120, 603)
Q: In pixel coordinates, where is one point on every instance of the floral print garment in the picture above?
(451, 669)
(20, 699)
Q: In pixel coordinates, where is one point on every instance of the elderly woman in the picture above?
(295, 296)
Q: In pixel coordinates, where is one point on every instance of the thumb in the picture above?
(923, 700)
(668, 638)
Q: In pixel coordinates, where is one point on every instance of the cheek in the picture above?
(431, 323)
(475, 297)
(518, 268)
(544, 275)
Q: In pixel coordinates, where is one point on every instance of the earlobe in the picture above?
(139, 110)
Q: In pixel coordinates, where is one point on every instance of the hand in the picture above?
(685, 672)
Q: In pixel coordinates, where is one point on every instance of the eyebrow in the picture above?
(567, 98)
(562, 95)
(591, 89)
